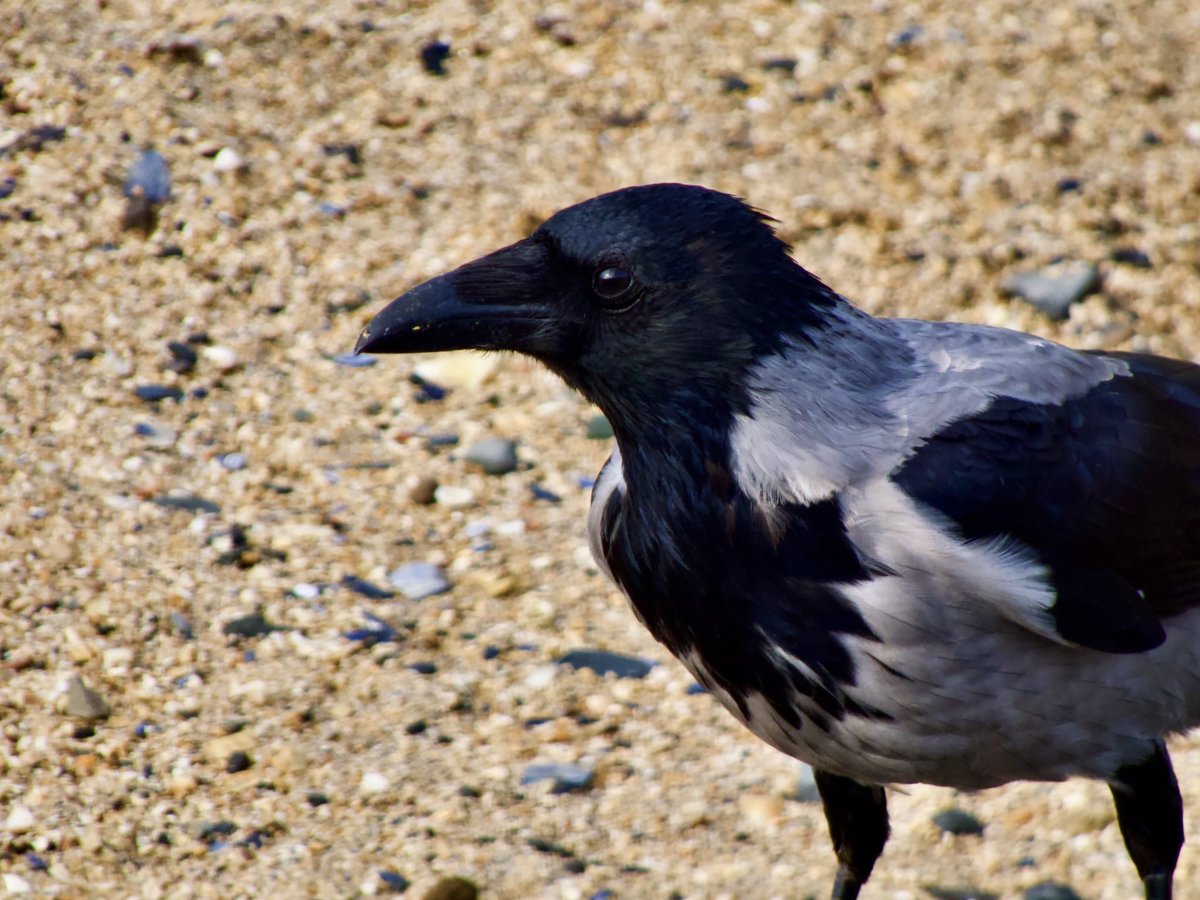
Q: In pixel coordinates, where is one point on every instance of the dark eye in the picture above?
(612, 282)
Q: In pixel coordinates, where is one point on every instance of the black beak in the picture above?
(498, 302)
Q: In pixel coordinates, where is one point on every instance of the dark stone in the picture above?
(365, 588)
(253, 625)
(424, 668)
(1050, 890)
(437, 441)
(316, 798)
(393, 881)
(734, 84)
(183, 357)
(1068, 185)
(417, 727)
(957, 822)
(424, 492)
(541, 493)
(434, 56)
(1131, 256)
(153, 393)
(602, 662)
(186, 502)
(780, 64)
(352, 152)
(239, 761)
(208, 830)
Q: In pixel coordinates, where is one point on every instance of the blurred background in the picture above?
(277, 622)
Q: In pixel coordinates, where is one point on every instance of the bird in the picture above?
(901, 551)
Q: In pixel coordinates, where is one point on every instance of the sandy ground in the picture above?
(915, 153)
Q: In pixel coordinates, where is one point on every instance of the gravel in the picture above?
(913, 156)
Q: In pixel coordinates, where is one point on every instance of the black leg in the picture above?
(1150, 813)
(858, 825)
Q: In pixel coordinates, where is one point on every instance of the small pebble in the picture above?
(365, 588)
(373, 783)
(316, 798)
(437, 441)
(1131, 256)
(234, 462)
(1055, 288)
(149, 178)
(957, 822)
(186, 502)
(424, 491)
(1050, 890)
(453, 888)
(541, 493)
(19, 820)
(228, 160)
(355, 360)
(238, 761)
(85, 703)
(496, 456)
(183, 357)
(223, 358)
(37, 863)
(394, 881)
(599, 428)
(153, 393)
(158, 435)
(14, 884)
(434, 56)
(453, 496)
(734, 84)
(424, 668)
(305, 591)
(806, 785)
(567, 777)
(417, 580)
(427, 390)
(602, 662)
(250, 626)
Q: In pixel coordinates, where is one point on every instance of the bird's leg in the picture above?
(858, 825)
(1150, 813)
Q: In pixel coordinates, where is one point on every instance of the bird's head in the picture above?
(640, 298)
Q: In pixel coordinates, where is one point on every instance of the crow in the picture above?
(901, 551)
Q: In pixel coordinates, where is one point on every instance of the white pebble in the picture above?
(453, 497)
(221, 357)
(19, 820)
(373, 783)
(15, 884)
(306, 591)
(228, 160)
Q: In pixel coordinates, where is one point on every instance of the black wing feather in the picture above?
(1105, 488)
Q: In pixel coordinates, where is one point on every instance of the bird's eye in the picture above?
(612, 283)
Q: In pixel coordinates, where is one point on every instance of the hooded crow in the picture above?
(901, 551)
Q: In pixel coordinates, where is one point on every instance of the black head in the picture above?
(638, 298)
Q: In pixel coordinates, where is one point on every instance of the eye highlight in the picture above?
(612, 283)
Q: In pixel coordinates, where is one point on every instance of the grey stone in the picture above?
(496, 456)
(957, 822)
(567, 777)
(1055, 288)
(85, 703)
(417, 580)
